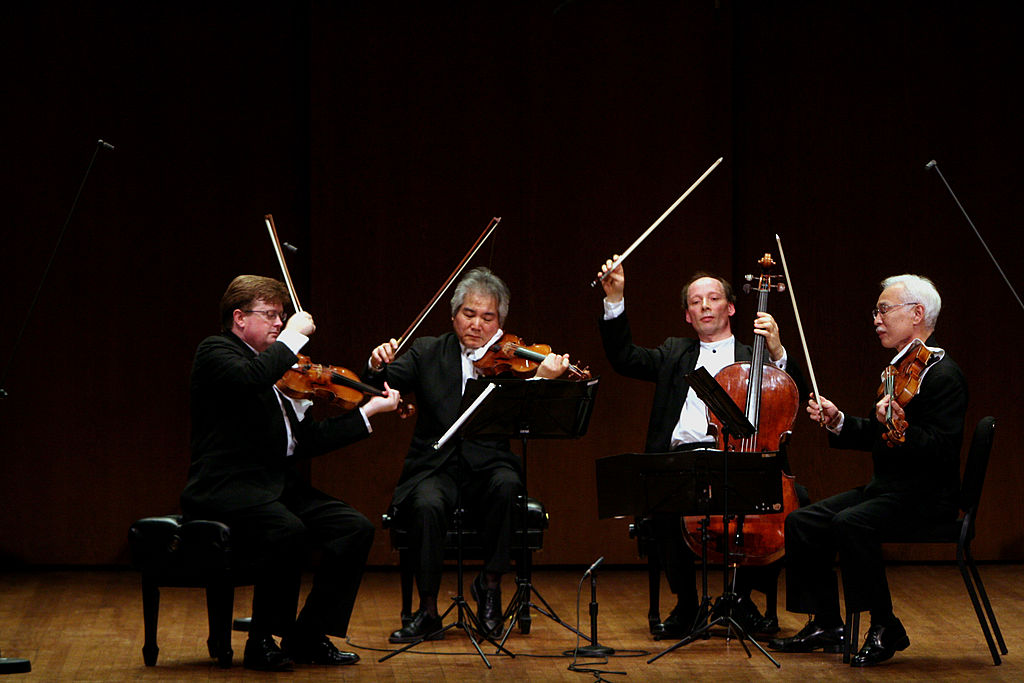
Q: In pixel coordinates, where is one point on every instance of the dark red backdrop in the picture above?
(384, 137)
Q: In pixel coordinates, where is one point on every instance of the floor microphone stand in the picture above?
(595, 649)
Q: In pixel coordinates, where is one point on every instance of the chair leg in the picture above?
(406, 569)
(220, 602)
(851, 635)
(150, 615)
(524, 576)
(653, 588)
(961, 561)
(985, 601)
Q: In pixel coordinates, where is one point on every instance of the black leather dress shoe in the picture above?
(881, 643)
(263, 654)
(317, 650)
(488, 607)
(810, 638)
(422, 626)
(678, 625)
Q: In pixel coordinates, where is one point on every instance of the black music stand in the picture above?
(531, 409)
(735, 424)
(465, 619)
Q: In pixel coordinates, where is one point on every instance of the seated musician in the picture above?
(245, 436)
(914, 482)
(679, 419)
(436, 369)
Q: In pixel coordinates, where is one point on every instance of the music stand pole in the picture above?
(519, 606)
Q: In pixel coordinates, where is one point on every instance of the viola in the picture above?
(902, 382)
(770, 400)
(327, 383)
(509, 354)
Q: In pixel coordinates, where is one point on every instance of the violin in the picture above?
(770, 400)
(902, 382)
(509, 354)
(328, 383)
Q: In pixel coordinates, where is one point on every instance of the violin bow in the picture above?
(648, 231)
(933, 164)
(272, 229)
(800, 329)
(451, 278)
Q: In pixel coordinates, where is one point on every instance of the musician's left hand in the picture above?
(766, 326)
(554, 365)
(882, 407)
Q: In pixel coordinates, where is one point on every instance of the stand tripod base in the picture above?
(465, 620)
(521, 604)
(722, 611)
(593, 651)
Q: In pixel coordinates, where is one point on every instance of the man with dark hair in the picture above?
(679, 419)
(245, 436)
(916, 480)
(436, 369)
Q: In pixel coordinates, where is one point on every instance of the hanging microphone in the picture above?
(932, 164)
(46, 271)
(292, 249)
(593, 567)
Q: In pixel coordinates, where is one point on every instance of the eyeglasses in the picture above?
(270, 315)
(885, 308)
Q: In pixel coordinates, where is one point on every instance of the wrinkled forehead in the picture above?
(703, 287)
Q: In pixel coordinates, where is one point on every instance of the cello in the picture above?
(769, 399)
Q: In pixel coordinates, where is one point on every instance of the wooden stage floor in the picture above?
(86, 625)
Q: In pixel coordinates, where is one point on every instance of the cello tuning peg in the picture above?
(748, 277)
(781, 286)
(746, 288)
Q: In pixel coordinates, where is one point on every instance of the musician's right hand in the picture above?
(385, 353)
(615, 283)
(301, 322)
(827, 409)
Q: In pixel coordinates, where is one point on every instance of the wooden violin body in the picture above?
(331, 384)
(509, 354)
(902, 382)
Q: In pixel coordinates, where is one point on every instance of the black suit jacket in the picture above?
(239, 441)
(665, 366)
(928, 462)
(431, 368)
